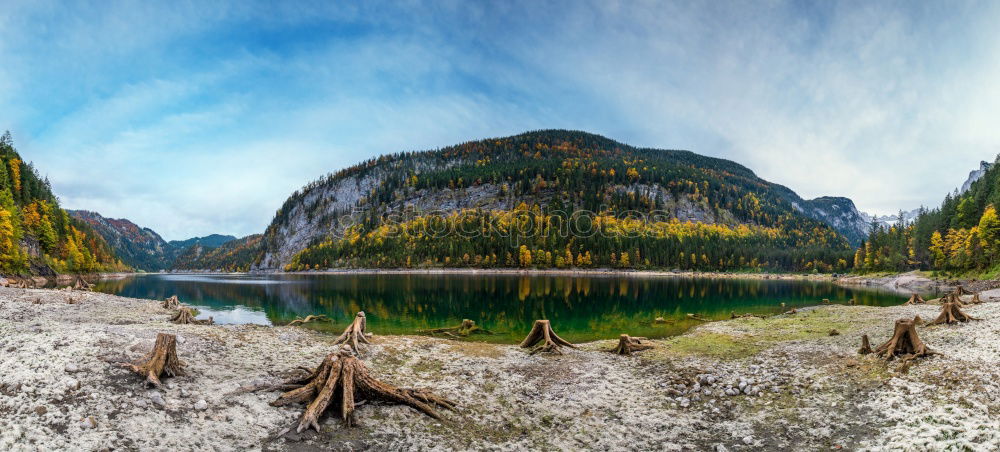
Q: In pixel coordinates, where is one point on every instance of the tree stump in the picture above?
(171, 303)
(81, 284)
(866, 346)
(185, 316)
(466, 328)
(951, 313)
(961, 290)
(915, 299)
(852, 301)
(161, 360)
(628, 344)
(975, 299)
(355, 334)
(826, 301)
(309, 319)
(542, 332)
(343, 379)
(904, 343)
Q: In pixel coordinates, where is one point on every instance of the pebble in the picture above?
(180, 339)
(88, 423)
(40, 410)
(720, 448)
(157, 399)
(201, 405)
(71, 384)
(71, 367)
(748, 440)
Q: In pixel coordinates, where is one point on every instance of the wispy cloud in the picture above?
(194, 118)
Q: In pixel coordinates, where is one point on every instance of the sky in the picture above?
(194, 117)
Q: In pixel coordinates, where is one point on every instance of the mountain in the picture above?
(519, 195)
(142, 248)
(37, 236)
(975, 175)
(231, 255)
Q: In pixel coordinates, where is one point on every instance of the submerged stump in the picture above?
(628, 345)
(309, 319)
(185, 316)
(355, 334)
(951, 313)
(171, 303)
(546, 339)
(466, 328)
(904, 343)
(162, 360)
(342, 380)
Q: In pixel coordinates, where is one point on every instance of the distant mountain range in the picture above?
(142, 248)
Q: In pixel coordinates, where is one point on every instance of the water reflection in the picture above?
(581, 307)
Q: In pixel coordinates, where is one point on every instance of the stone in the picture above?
(88, 423)
(157, 399)
(71, 367)
(201, 405)
(748, 440)
(71, 384)
(41, 410)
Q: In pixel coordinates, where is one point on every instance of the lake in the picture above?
(581, 308)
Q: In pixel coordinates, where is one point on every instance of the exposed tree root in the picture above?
(171, 303)
(466, 328)
(185, 316)
(915, 299)
(355, 334)
(81, 284)
(309, 319)
(904, 343)
(161, 360)
(961, 290)
(951, 313)
(628, 344)
(866, 346)
(918, 321)
(343, 380)
(542, 332)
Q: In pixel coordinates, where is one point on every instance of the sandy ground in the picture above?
(746, 384)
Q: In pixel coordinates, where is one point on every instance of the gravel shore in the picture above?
(746, 384)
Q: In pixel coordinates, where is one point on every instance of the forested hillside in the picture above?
(961, 235)
(550, 199)
(36, 235)
(232, 255)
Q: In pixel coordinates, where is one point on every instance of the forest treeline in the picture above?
(36, 235)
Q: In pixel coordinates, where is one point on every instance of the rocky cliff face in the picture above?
(975, 175)
(139, 247)
(841, 214)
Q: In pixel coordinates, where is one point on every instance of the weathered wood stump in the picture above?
(162, 360)
(915, 299)
(951, 313)
(171, 303)
(185, 316)
(975, 299)
(961, 290)
(309, 319)
(81, 284)
(466, 328)
(697, 317)
(355, 334)
(343, 379)
(866, 346)
(542, 332)
(904, 343)
(628, 345)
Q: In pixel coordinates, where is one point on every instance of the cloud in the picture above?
(197, 118)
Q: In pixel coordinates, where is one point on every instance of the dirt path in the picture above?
(798, 387)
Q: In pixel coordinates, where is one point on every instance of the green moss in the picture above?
(713, 344)
(428, 366)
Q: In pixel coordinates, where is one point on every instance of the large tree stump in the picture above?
(171, 303)
(309, 319)
(904, 343)
(628, 344)
(866, 346)
(951, 313)
(355, 334)
(465, 329)
(915, 299)
(162, 360)
(343, 379)
(542, 332)
(185, 316)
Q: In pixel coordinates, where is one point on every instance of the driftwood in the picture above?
(866, 346)
(355, 334)
(466, 328)
(171, 303)
(342, 380)
(162, 360)
(915, 299)
(951, 313)
(185, 316)
(904, 343)
(309, 319)
(542, 332)
(628, 345)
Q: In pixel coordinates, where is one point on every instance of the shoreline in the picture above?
(744, 384)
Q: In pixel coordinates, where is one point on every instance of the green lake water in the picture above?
(581, 308)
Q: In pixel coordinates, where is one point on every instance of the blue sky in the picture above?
(202, 117)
